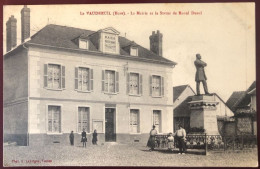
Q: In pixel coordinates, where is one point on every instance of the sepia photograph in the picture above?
(139, 84)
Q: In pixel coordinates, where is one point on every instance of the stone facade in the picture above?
(29, 82)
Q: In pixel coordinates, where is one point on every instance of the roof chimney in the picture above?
(25, 20)
(156, 42)
(11, 33)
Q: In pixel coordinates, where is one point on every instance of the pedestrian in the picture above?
(94, 139)
(170, 142)
(84, 138)
(151, 140)
(72, 138)
(181, 137)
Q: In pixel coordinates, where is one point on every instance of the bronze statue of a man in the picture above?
(200, 74)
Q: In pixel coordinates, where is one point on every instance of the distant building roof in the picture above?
(183, 110)
(63, 37)
(177, 91)
(234, 99)
(242, 99)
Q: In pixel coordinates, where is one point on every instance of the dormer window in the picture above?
(134, 51)
(83, 44)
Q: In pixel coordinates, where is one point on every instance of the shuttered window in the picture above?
(54, 76)
(156, 86)
(83, 79)
(83, 119)
(134, 84)
(134, 121)
(54, 119)
(110, 81)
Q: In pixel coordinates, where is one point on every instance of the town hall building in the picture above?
(65, 79)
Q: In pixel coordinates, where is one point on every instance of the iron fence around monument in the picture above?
(212, 142)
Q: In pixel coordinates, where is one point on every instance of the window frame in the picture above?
(116, 82)
(45, 75)
(161, 114)
(87, 43)
(140, 84)
(161, 86)
(61, 119)
(90, 78)
(133, 48)
(139, 120)
(77, 118)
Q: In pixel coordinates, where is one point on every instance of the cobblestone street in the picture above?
(113, 154)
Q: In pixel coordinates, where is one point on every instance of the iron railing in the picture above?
(211, 142)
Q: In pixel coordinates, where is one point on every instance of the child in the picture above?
(94, 139)
(170, 142)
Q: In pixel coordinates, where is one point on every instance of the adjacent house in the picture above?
(65, 79)
(243, 103)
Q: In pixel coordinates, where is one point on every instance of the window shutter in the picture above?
(88, 114)
(103, 80)
(140, 84)
(91, 79)
(138, 121)
(117, 82)
(63, 77)
(45, 78)
(162, 86)
(127, 83)
(76, 78)
(151, 89)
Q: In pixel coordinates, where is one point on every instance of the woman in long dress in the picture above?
(151, 140)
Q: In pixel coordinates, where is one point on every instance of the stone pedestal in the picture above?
(203, 114)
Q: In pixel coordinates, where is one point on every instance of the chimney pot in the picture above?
(11, 33)
(25, 21)
(156, 43)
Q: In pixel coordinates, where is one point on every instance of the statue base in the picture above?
(203, 113)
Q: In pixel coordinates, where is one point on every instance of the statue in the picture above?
(200, 75)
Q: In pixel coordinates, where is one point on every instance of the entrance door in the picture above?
(110, 130)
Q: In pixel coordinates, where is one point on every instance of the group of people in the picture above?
(180, 136)
(84, 138)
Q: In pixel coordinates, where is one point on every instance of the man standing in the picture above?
(200, 74)
(181, 137)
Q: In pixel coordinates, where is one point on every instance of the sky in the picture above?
(223, 33)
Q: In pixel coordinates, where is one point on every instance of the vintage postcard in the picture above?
(165, 84)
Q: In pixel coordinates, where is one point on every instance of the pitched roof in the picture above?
(177, 91)
(63, 36)
(240, 99)
(234, 99)
(183, 110)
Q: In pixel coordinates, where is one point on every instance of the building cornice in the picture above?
(97, 53)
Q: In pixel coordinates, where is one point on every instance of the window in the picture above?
(110, 81)
(83, 119)
(54, 76)
(156, 86)
(157, 120)
(83, 44)
(83, 79)
(134, 83)
(134, 121)
(54, 119)
(134, 51)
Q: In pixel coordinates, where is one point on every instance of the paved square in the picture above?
(113, 154)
